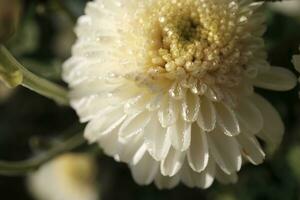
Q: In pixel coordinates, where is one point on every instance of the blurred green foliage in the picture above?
(9, 18)
(43, 41)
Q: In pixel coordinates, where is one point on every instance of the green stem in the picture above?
(23, 167)
(32, 81)
(45, 88)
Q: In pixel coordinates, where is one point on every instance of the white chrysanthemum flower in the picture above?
(167, 87)
(70, 176)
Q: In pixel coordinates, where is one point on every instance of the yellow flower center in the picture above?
(189, 39)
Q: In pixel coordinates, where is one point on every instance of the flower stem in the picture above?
(23, 167)
(30, 80)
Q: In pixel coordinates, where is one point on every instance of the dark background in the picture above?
(43, 42)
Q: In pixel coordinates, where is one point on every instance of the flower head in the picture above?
(167, 87)
(70, 176)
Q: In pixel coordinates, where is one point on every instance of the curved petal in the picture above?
(166, 182)
(225, 151)
(211, 95)
(251, 148)
(207, 115)
(180, 133)
(227, 119)
(273, 127)
(277, 78)
(226, 178)
(153, 103)
(104, 124)
(198, 152)
(145, 170)
(134, 124)
(132, 151)
(177, 91)
(91, 87)
(202, 180)
(190, 107)
(245, 88)
(172, 163)
(250, 116)
(168, 112)
(137, 103)
(110, 144)
(92, 106)
(157, 140)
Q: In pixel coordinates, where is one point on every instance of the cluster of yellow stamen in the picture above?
(202, 39)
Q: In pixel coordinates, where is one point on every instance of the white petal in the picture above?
(273, 128)
(138, 155)
(211, 95)
(91, 87)
(206, 178)
(225, 150)
(190, 107)
(207, 115)
(168, 112)
(177, 91)
(277, 78)
(136, 104)
(180, 133)
(187, 176)
(110, 144)
(227, 119)
(226, 178)
(249, 115)
(172, 163)
(134, 124)
(103, 124)
(246, 88)
(92, 106)
(145, 170)
(154, 102)
(166, 182)
(251, 148)
(132, 151)
(201, 180)
(157, 140)
(198, 152)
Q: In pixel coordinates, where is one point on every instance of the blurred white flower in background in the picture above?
(67, 177)
(296, 62)
(168, 87)
(287, 7)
